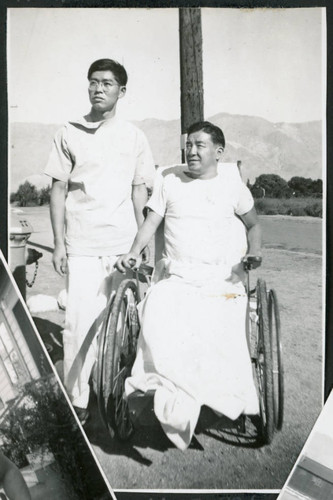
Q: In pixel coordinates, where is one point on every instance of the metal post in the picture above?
(20, 231)
(191, 76)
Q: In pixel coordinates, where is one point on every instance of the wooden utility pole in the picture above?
(191, 78)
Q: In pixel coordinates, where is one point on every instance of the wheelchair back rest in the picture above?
(159, 242)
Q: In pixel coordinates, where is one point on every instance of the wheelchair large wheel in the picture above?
(122, 329)
(275, 335)
(264, 366)
(100, 365)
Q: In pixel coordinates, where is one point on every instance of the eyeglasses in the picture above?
(106, 85)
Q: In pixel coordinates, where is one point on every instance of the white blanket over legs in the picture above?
(193, 350)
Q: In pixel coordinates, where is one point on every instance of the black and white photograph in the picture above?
(167, 232)
(43, 452)
(312, 476)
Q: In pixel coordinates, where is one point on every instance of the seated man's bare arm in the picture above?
(250, 219)
(143, 236)
(139, 198)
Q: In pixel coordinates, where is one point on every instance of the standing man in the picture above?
(101, 167)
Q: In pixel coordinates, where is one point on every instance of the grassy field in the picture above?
(295, 234)
(292, 265)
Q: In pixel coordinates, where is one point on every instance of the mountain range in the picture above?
(286, 149)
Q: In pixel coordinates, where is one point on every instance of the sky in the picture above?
(257, 62)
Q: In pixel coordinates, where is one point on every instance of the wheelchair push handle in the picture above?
(251, 262)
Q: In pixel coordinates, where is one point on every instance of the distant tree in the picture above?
(12, 197)
(270, 186)
(26, 195)
(317, 187)
(257, 191)
(302, 186)
(44, 195)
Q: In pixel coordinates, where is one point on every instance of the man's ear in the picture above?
(219, 152)
(122, 92)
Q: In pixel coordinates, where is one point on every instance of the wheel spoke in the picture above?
(125, 327)
(118, 375)
(118, 404)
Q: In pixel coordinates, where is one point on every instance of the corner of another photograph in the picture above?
(43, 450)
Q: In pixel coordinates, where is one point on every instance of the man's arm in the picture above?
(143, 236)
(57, 212)
(250, 219)
(139, 198)
(12, 480)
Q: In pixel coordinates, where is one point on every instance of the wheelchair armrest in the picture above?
(251, 262)
(144, 273)
(146, 270)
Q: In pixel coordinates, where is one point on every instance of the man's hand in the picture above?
(129, 260)
(59, 259)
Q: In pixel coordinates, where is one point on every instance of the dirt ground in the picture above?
(293, 267)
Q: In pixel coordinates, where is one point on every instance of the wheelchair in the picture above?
(117, 350)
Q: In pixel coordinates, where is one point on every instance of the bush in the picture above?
(298, 211)
(315, 209)
(44, 421)
(290, 206)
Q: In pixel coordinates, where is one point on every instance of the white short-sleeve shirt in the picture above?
(100, 161)
(201, 223)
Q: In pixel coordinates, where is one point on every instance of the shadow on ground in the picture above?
(153, 437)
(51, 336)
(98, 435)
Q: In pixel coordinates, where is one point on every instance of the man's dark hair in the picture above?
(215, 132)
(109, 65)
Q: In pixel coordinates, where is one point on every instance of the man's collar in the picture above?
(83, 122)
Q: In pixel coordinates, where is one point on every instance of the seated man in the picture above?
(192, 347)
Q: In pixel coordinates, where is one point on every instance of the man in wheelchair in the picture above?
(192, 348)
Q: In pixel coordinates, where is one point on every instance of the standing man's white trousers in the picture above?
(91, 281)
